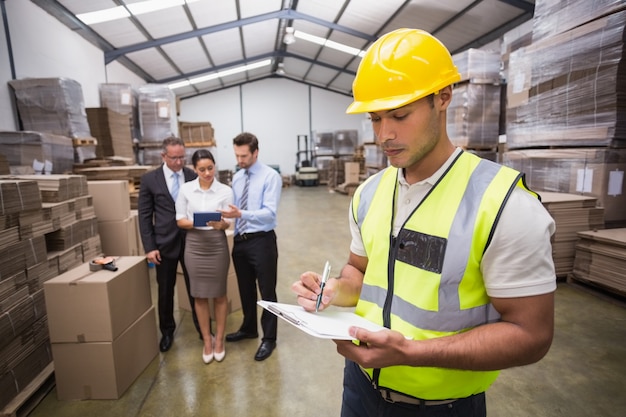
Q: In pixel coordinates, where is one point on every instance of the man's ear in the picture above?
(444, 97)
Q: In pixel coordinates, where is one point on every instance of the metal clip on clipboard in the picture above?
(286, 316)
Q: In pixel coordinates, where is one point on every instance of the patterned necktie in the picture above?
(243, 203)
(175, 186)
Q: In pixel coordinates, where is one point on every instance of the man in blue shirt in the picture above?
(257, 189)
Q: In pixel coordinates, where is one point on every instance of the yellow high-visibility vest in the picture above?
(426, 281)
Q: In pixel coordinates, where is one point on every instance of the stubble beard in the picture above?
(431, 139)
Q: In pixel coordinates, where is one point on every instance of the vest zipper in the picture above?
(393, 251)
(387, 307)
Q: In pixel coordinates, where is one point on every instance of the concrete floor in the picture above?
(583, 374)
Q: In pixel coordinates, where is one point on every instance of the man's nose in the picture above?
(385, 131)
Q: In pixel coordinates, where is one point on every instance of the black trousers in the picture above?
(166, 282)
(255, 259)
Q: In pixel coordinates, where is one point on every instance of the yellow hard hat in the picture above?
(400, 67)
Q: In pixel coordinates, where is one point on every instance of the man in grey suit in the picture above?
(162, 240)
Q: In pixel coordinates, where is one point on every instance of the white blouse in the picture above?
(193, 199)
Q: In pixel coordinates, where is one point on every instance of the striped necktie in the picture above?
(243, 203)
(175, 186)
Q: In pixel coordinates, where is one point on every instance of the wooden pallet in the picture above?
(206, 144)
(31, 396)
(149, 145)
(602, 291)
(84, 141)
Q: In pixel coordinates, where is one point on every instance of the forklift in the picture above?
(306, 174)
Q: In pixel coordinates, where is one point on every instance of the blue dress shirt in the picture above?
(263, 197)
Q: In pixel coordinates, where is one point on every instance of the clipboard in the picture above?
(200, 219)
(326, 324)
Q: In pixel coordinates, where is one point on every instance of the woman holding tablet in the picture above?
(206, 249)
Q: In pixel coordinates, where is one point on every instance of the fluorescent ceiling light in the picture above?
(220, 74)
(120, 12)
(103, 15)
(328, 43)
(153, 5)
(179, 84)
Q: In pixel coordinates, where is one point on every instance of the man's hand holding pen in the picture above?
(315, 291)
(325, 276)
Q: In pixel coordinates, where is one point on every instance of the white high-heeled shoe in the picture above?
(218, 356)
(207, 358)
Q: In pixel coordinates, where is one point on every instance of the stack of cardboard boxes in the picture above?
(117, 225)
(102, 328)
(55, 105)
(113, 131)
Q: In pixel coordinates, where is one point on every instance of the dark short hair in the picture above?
(247, 138)
(431, 100)
(201, 154)
(171, 141)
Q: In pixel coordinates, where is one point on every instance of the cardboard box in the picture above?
(111, 199)
(42, 153)
(134, 215)
(86, 306)
(474, 115)
(351, 170)
(105, 370)
(52, 105)
(119, 237)
(597, 172)
(113, 131)
(232, 291)
(478, 65)
(201, 132)
(559, 98)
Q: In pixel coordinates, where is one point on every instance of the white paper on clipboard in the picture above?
(326, 324)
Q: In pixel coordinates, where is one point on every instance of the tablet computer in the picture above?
(200, 219)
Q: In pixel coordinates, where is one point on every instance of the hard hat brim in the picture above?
(389, 103)
(370, 106)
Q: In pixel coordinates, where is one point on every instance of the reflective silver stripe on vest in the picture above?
(450, 317)
(366, 196)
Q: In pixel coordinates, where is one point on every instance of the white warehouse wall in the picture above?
(116, 73)
(277, 110)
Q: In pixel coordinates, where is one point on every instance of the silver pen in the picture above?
(325, 275)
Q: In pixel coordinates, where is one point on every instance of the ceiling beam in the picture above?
(111, 55)
(524, 5)
(261, 78)
(249, 60)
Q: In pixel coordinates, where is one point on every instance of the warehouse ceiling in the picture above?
(208, 45)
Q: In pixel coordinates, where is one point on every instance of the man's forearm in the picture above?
(513, 341)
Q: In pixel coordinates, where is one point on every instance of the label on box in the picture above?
(163, 109)
(616, 183)
(125, 98)
(518, 83)
(584, 180)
